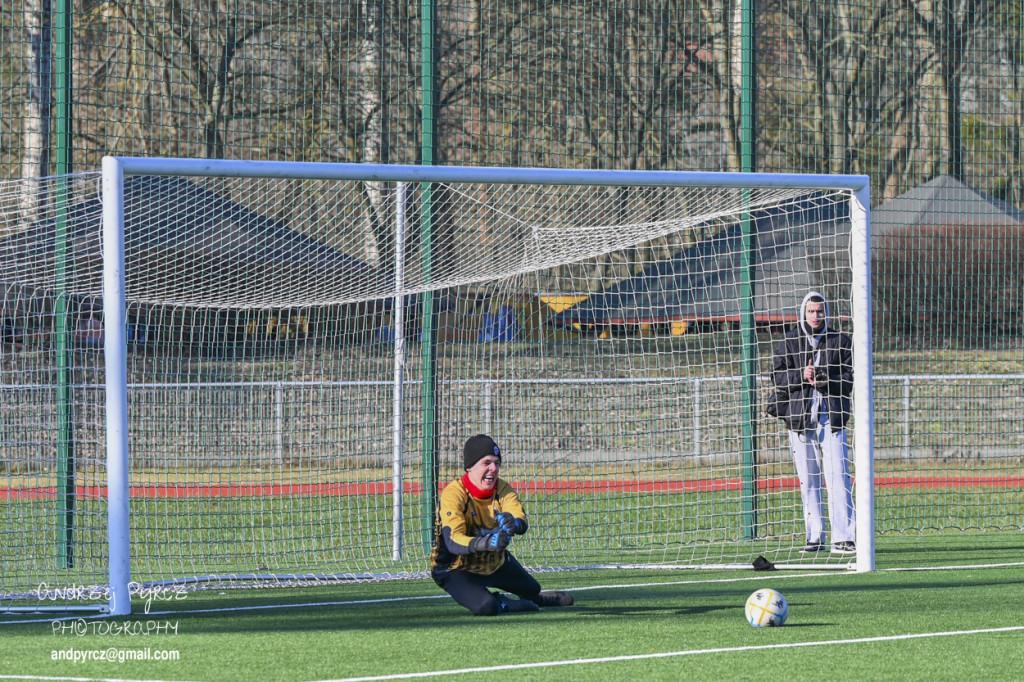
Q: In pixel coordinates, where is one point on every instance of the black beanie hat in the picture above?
(478, 447)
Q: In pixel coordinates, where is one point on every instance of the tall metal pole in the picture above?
(62, 328)
(62, 83)
(863, 377)
(398, 326)
(115, 350)
(748, 268)
(428, 336)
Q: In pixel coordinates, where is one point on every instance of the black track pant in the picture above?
(471, 589)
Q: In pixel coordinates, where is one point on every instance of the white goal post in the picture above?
(595, 409)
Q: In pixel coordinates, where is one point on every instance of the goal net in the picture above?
(226, 373)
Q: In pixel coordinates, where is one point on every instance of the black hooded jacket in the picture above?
(794, 396)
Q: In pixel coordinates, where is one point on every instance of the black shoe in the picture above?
(508, 605)
(813, 548)
(844, 548)
(554, 598)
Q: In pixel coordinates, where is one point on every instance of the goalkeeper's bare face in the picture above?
(484, 474)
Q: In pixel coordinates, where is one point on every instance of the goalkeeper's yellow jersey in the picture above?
(460, 518)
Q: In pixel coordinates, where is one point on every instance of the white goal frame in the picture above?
(114, 170)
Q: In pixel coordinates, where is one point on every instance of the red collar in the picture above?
(476, 492)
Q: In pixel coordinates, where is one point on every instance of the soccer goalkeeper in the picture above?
(478, 516)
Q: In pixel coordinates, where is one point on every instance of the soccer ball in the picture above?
(766, 608)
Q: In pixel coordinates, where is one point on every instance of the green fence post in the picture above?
(62, 82)
(428, 323)
(748, 324)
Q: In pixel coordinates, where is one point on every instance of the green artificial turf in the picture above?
(660, 625)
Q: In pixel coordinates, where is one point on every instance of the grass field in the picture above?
(212, 531)
(947, 619)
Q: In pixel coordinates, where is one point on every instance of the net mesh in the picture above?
(651, 84)
(595, 332)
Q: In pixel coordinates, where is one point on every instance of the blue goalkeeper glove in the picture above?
(490, 541)
(510, 524)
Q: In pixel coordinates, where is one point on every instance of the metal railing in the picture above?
(914, 414)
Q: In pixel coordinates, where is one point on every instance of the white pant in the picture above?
(822, 461)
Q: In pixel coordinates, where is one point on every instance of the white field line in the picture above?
(670, 654)
(77, 679)
(586, 661)
(302, 605)
(949, 568)
(760, 577)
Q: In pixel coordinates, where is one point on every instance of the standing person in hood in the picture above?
(812, 369)
(478, 516)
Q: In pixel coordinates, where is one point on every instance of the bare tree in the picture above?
(830, 100)
(212, 72)
(373, 113)
(999, 135)
(946, 27)
(222, 77)
(1014, 57)
(721, 52)
(633, 75)
(35, 159)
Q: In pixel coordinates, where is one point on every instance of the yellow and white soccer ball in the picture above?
(766, 608)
